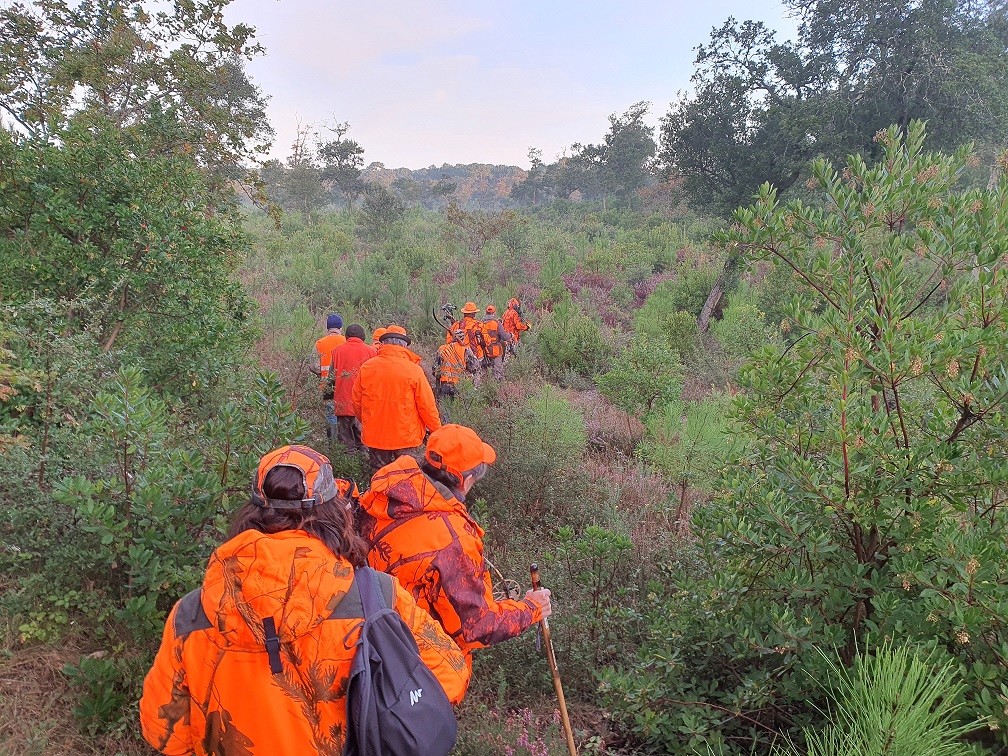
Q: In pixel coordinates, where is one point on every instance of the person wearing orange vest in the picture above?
(346, 361)
(256, 661)
(323, 363)
(471, 326)
(464, 324)
(393, 400)
(414, 516)
(495, 341)
(513, 323)
(452, 361)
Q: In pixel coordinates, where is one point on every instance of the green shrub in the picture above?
(134, 250)
(670, 330)
(687, 292)
(893, 701)
(869, 503)
(646, 375)
(743, 330)
(570, 341)
(691, 442)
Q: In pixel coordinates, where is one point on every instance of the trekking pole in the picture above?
(551, 660)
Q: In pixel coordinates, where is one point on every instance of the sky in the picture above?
(427, 83)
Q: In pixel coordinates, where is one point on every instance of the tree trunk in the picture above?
(717, 291)
(713, 299)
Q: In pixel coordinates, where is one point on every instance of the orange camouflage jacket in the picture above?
(514, 325)
(423, 535)
(210, 690)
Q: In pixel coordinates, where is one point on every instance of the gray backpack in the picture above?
(395, 704)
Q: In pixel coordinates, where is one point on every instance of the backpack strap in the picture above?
(351, 606)
(370, 592)
(272, 643)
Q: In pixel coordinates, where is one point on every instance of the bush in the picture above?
(893, 701)
(671, 330)
(869, 504)
(691, 443)
(571, 342)
(646, 375)
(742, 330)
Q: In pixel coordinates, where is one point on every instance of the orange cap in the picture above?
(458, 450)
(378, 333)
(513, 302)
(491, 309)
(316, 475)
(469, 308)
(394, 331)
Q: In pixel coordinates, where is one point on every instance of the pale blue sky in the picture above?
(426, 83)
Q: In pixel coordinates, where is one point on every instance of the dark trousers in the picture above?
(378, 458)
(348, 432)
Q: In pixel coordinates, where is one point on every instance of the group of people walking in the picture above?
(377, 396)
(257, 659)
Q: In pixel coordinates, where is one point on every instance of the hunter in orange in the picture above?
(467, 321)
(393, 400)
(420, 531)
(322, 364)
(256, 661)
(453, 360)
(495, 340)
(513, 323)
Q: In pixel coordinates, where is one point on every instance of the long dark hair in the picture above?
(331, 522)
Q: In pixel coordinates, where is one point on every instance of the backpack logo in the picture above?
(414, 696)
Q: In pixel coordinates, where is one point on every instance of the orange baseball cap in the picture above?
(458, 450)
(316, 474)
(491, 309)
(378, 333)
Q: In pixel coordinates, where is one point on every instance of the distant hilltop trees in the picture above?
(473, 186)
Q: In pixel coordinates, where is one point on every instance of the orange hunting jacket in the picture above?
(394, 400)
(514, 325)
(324, 347)
(210, 690)
(423, 535)
(494, 338)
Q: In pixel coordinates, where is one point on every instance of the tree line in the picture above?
(760, 109)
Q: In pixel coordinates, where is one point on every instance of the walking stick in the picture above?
(551, 660)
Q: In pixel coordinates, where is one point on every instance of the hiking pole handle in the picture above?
(554, 670)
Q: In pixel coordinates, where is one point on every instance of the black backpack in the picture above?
(395, 704)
